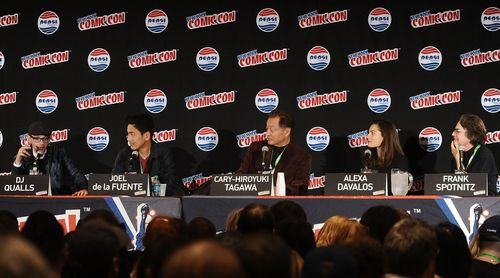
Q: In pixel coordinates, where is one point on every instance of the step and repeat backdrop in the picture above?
(209, 72)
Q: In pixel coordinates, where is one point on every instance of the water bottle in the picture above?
(155, 186)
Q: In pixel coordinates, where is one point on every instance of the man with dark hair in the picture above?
(283, 155)
(144, 156)
(379, 220)
(287, 209)
(255, 218)
(487, 261)
(65, 178)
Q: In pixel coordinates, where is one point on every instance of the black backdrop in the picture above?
(401, 78)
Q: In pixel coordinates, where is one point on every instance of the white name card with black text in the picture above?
(348, 184)
(464, 185)
(118, 184)
(241, 185)
(34, 185)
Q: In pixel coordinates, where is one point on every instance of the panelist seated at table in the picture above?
(469, 139)
(143, 156)
(384, 149)
(282, 155)
(41, 157)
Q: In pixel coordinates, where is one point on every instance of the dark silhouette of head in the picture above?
(201, 228)
(255, 218)
(379, 220)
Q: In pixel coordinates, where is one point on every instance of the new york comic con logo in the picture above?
(358, 139)
(97, 139)
(476, 57)
(317, 138)
(426, 18)
(316, 182)
(99, 59)
(90, 101)
(266, 100)
(2, 60)
(163, 136)
(493, 137)
(201, 100)
(202, 20)
(245, 139)
(93, 21)
(430, 139)
(364, 58)
(9, 20)
(207, 59)
(318, 58)
(8, 98)
(430, 58)
(48, 22)
(315, 18)
(46, 101)
(144, 59)
(379, 100)
(55, 136)
(426, 100)
(491, 19)
(155, 101)
(206, 139)
(490, 100)
(267, 20)
(254, 58)
(312, 99)
(36, 60)
(156, 21)
(379, 19)
(195, 180)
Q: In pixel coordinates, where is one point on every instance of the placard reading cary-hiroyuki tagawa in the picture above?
(241, 185)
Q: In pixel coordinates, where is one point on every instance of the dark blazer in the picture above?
(160, 163)
(65, 178)
(295, 163)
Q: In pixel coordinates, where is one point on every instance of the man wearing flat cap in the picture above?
(65, 178)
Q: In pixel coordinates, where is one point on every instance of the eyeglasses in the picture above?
(458, 130)
(40, 139)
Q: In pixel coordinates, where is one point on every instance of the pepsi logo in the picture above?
(207, 59)
(318, 58)
(490, 100)
(155, 101)
(379, 19)
(206, 139)
(430, 139)
(491, 19)
(2, 60)
(379, 100)
(48, 22)
(156, 21)
(99, 59)
(1, 138)
(317, 138)
(266, 100)
(46, 101)
(267, 20)
(97, 139)
(430, 58)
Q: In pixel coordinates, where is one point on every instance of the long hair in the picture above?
(476, 130)
(390, 145)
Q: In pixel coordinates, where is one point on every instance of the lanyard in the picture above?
(473, 154)
(279, 157)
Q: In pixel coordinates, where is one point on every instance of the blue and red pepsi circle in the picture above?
(99, 59)
(206, 139)
(97, 139)
(318, 138)
(155, 101)
(267, 20)
(379, 19)
(318, 58)
(156, 21)
(46, 101)
(207, 58)
(379, 100)
(430, 58)
(490, 18)
(2, 60)
(490, 100)
(1, 138)
(48, 22)
(430, 139)
(266, 100)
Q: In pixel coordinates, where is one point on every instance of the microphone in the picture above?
(264, 151)
(461, 157)
(133, 157)
(368, 156)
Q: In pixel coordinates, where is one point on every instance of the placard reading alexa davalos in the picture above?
(119, 184)
(34, 185)
(355, 184)
(241, 185)
(464, 185)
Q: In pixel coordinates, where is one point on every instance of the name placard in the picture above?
(119, 184)
(464, 185)
(241, 185)
(349, 184)
(35, 185)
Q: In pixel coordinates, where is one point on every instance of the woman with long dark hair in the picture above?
(386, 151)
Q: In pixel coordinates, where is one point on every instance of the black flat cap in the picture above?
(39, 128)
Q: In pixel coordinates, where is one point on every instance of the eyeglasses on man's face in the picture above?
(40, 139)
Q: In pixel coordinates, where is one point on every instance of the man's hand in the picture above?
(83, 192)
(23, 152)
